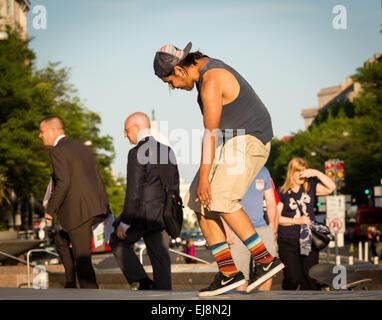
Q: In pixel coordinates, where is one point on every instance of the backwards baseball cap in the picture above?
(167, 57)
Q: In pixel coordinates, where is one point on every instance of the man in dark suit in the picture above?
(78, 201)
(144, 204)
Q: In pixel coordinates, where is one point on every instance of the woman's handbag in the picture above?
(319, 240)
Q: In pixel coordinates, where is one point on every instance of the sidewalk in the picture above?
(91, 294)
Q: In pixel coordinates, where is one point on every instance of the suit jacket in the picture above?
(145, 197)
(78, 192)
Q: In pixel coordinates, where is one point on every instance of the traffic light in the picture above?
(340, 170)
(329, 168)
(321, 203)
(367, 191)
(335, 170)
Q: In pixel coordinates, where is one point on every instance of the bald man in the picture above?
(142, 214)
(78, 201)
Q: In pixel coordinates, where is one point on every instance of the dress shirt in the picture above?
(58, 139)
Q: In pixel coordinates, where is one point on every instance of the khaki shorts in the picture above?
(236, 164)
(241, 255)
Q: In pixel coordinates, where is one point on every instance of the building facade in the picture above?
(327, 97)
(14, 13)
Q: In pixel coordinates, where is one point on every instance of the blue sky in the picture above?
(287, 50)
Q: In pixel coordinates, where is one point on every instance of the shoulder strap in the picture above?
(162, 178)
(298, 205)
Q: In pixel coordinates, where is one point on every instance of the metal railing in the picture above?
(13, 257)
(176, 252)
(28, 264)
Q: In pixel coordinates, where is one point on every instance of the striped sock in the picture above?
(223, 257)
(258, 250)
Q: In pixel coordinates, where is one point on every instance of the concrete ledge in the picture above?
(184, 277)
(17, 276)
(116, 280)
(195, 280)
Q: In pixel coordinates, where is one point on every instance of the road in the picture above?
(107, 261)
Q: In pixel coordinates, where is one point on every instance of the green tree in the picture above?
(116, 190)
(27, 95)
(351, 131)
(366, 162)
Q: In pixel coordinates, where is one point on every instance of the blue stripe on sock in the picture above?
(218, 247)
(252, 239)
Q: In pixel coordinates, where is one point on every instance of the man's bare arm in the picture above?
(211, 95)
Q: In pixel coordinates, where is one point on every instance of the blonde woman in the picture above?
(296, 210)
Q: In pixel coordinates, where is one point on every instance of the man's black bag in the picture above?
(173, 209)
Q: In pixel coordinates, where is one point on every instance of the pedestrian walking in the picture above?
(77, 200)
(145, 199)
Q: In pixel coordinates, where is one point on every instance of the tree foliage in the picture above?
(351, 131)
(27, 95)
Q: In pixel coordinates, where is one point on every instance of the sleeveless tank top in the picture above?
(244, 115)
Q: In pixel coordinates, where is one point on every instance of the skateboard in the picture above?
(325, 275)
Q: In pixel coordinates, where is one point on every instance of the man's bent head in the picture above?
(177, 67)
(137, 125)
(167, 57)
(51, 127)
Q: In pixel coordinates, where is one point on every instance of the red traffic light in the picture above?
(329, 165)
(340, 166)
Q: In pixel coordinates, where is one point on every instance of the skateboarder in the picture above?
(236, 145)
